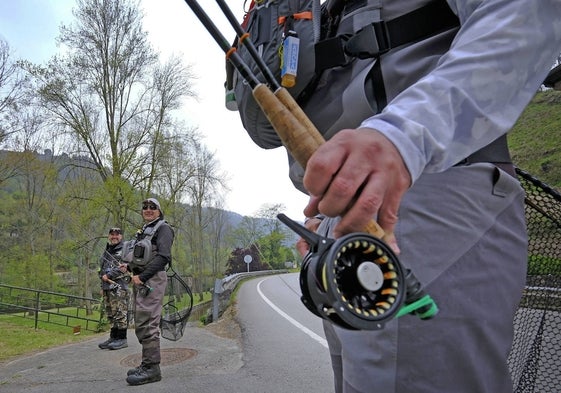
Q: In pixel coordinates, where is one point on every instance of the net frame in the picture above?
(534, 359)
(177, 307)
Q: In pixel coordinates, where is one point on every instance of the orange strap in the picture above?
(246, 15)
(300, 15)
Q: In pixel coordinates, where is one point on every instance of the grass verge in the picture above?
(19, 337)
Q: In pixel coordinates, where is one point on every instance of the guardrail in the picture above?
(223, 289)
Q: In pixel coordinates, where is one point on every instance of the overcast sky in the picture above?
(256, 176)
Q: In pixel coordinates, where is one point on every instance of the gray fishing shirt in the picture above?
(450, 94)
(476, 90)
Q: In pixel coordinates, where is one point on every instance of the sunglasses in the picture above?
(115, 230)
(151, 207)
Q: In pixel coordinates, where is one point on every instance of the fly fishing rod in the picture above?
(355, 281)
(299, 141)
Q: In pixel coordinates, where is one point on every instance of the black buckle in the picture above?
(330, 53)
(371, 41)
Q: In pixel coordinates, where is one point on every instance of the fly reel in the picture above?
(357, 282)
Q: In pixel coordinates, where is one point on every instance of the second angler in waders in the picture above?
(151, 253)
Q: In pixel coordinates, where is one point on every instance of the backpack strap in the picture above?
(380, 37)
(153, 229)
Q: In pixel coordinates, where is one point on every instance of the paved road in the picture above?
(273, 355)
(284, 344)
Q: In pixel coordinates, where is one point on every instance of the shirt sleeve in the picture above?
(478, 88)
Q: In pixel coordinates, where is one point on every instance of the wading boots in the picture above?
(105, 344)
(145, 373)
(120, 340)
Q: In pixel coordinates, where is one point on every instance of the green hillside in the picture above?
(535, 141)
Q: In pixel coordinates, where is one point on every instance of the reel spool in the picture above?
(357, 282)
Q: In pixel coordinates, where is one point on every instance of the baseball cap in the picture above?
(153, 201)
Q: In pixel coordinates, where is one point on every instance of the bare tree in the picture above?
(112, 97)
(12, 89)
(247, 233)
(269, 212)
(171, 83)
(206, 183)
(219, 251)
(174, 165)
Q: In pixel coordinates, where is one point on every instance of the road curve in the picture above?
(283, 342)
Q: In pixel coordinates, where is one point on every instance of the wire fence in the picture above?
(535, 360)
(50, 307)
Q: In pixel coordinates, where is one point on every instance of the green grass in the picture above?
(534, 140)
(539, 264)
(206, 297)
(19, 336)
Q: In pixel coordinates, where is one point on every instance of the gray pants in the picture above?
(463, 234)
(147, 314)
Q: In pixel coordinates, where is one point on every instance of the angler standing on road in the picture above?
(150, 254)
(433, 167)
(115, 291)
(415, 98)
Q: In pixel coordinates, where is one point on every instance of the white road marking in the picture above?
(303, 328)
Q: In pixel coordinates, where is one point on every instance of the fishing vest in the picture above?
(269, 23)
(140, 251)
(349, 61)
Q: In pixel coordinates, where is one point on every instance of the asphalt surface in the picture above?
(200, 361)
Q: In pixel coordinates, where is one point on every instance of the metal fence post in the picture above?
(37, 309)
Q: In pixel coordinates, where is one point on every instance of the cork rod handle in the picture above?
(298, 134)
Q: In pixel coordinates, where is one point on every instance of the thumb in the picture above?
(312, 208)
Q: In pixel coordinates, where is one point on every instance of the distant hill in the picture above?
(535, 141)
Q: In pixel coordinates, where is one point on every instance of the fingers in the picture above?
(391, 241)
(331, 190)
(302, 247)
(358, 175)
(312, 208)
(388, 216)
